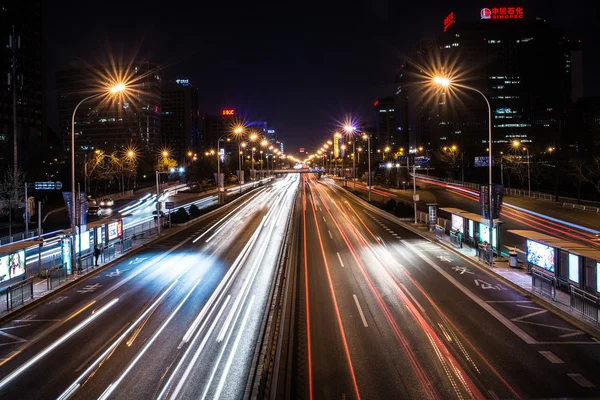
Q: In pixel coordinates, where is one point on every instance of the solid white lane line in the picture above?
(324, 220)
(581, 380)
(501, 318)
(232, 352)
(550, 356)
(116, 383)
(57, 343)
(330, 235)
(76, 384)
(340, 258)
(360, 311)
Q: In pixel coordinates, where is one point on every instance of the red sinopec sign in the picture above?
(448, 21)
(501, 13)
(229, 112)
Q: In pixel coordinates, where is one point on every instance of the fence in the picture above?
(55, 276)
(422, 217)
(33, 233)
(543, 284)
(484, 253)
(581, 207)
(15, 295)
(48, 262)
(140, 230)
(456, 239)
(585, 304)
(439, 231)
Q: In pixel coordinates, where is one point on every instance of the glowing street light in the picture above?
(116, 89)
(517, 145)
(446, 83)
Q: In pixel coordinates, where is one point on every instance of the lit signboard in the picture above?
(182, 81)
(301, 149)
(448, 21)
(598, 276)
(12, 266)
(85, 242)
(501, 13)
(484, 234)
(229, 112)
(114, 230)
(540, 255)
(574, 268)
(458, 223)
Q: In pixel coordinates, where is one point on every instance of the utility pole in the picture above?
(14, 44)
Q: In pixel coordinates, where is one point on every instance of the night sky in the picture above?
(299, 66)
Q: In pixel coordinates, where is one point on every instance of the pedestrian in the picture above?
(97, 252)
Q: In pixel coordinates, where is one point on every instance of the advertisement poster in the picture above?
(458, 223)
(540, 255)
(574, 267)
(66, 253)
(484, 234)
(12, 266)
(114, 230)
(85, 242)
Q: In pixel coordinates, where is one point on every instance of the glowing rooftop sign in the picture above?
(449, 20)
(500, 13)
(229, 112)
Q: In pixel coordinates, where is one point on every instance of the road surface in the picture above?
(179, 319)
(383, 313)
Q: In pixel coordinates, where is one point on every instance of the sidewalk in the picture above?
(516, 276)
(40, 285)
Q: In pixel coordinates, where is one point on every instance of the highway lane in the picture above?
(387, 314)
(128, 332)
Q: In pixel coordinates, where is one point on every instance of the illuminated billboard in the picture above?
(230, 112)
(484, 234)
(540, 255)
(114, 230)
(500, 13)
(574, 267)
(458, 223)
(12, 266)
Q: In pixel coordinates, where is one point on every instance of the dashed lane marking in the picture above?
(581, 380)
(550, 356)
(340, 258)
(360, 311)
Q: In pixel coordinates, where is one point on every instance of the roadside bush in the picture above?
(180, 217)
(194, 211)
(403, 210)
(390, 205)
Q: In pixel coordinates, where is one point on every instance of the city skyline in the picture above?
(262, 62)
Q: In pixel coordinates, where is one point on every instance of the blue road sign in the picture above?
(484, 161)
(402, 158)
(422, 160)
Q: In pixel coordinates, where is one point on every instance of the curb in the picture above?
(542, 301)
(37, 301)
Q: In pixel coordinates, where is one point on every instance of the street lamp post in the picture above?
(368, 138)
(118, 88)
(445, 82)
(518, 144)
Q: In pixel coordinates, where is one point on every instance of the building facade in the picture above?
(388, 131)
(180, 117)
(529, 72)
(27, 45)
(110, 122)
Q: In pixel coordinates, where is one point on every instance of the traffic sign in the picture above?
(169, 205)
(48, 185)
(402, 158)
(484, 161)
(422, 160)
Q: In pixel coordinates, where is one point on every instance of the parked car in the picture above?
(94, 210)
(107, 202)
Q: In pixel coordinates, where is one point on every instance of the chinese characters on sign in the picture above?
(229, 112)
(501, 13)
(448, 21)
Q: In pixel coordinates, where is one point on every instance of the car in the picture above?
(107, 202)
(93, 210)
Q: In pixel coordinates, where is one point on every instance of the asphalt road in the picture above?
(384, 314)
(177, 320)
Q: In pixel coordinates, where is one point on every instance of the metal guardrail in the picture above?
(585, 304)
(55, 276)
(484, 253)
(439, 231)
(581, 207)
(543, 284)
(15, 295)
(33, 233)
(456, 239)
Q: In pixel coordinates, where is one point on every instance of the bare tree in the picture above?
(449, 158)
(577, 174)
(12, 192)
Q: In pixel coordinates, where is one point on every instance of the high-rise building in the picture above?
(527, 69)
(388, 133)
(131, 119)
(23, 21)
(180, 117)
